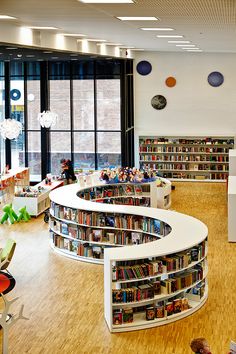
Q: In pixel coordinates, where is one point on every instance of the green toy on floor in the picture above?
(10, 214)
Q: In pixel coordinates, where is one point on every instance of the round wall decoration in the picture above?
(144, 67)
(215, 79)
(15, 94)
(170, 81)
(158, 102)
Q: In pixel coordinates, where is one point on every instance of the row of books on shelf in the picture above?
(188, 167)
(62, 212)
(160, 309)
(133, 222)
(185, 158)
(180, 149)
(144, 268)
(188, 141)
(114, 191)
(140, 201)
(79, 249)
(182, 175)
(100, 235)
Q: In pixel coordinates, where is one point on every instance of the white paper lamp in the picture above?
(10, 128)
(47, 119)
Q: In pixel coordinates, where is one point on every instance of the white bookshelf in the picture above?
(73, 197)
(187, 158)
(232, 209)
(178, 239)
(232, 162)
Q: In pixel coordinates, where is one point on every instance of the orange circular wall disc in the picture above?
(170, 81)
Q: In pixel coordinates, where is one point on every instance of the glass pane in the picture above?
(18, 151)
(109, 149)
(83, 104)
(60, 148)
(33, 104)
(17, 113)
(108, 104)
(60, 103)
(84, 150)
(34, 155)
(2, 116)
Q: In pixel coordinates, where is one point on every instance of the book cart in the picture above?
(155, 274)
(187, 158)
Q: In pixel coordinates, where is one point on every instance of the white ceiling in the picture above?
(209, 24)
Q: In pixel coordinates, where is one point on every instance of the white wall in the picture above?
(194, 108)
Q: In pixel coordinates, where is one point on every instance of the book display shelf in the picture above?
(36, 198)
(187, 158)
(154, 268)
(98, 217)
(158, 283)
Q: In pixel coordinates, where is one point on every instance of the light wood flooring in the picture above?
(64, 298)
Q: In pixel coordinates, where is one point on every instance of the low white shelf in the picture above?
(36, 205)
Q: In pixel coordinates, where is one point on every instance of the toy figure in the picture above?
(8, 213)
(24, 215)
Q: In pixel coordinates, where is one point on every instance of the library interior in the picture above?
(117, 176)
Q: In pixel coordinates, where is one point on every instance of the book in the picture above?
(160, 311)
(127, 315)
(97, 235)
(177, 305)
(64, 228)
(169, 308)
(150, 313)
(110, 221)
(136, 238)
(117, 317)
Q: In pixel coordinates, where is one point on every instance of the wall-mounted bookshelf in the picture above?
(190, 158)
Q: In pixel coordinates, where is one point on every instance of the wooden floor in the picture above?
(64, 298)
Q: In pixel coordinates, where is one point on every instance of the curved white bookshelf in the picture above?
(185, 236)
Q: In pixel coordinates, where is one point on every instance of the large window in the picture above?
(17, 112)
(86, 95)
(2, 115)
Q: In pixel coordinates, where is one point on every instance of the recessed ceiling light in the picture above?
(92, 40)
(185, 45)
(115, 44)
(157, 29)
(39, 59)
(137, 18)
(6, 17)
(54, 57)
(30, 56)
(178, 42)
(11, 48)
(107, 1)
(167, 36)
(73, 34)
(44, 27)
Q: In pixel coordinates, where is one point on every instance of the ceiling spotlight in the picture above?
(137, 18)
(6, 17)
(178, 42)
(167, 36)
(156, 29)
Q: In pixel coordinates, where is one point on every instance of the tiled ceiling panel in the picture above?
(210, 24)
